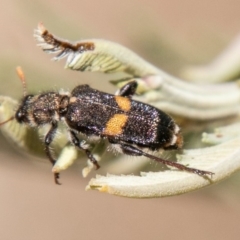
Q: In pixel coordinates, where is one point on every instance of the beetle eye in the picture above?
(19, 116)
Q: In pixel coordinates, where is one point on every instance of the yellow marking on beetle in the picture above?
(73, 100)
(116, 124)
(179, 141)
(123, 102)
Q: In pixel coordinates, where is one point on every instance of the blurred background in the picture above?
(170, 34)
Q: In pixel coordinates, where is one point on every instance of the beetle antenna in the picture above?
(10, 119)
(21, 75)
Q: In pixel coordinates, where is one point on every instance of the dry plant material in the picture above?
(189, 100)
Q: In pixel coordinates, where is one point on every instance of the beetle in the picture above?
(129, 126)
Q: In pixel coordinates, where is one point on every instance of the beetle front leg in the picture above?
(79, 144)
(48, 140)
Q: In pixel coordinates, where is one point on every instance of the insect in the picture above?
(129, 126)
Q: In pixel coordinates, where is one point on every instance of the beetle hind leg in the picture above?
(134, 151)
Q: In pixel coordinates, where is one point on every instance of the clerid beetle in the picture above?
(129, 126)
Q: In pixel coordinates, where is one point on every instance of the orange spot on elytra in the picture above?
(123, 102)
(116, 124)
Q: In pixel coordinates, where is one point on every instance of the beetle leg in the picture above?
(133, 151)
(128, 90)
(79, 144)
(48, 140)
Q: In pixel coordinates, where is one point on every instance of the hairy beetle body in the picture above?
(129, 125)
